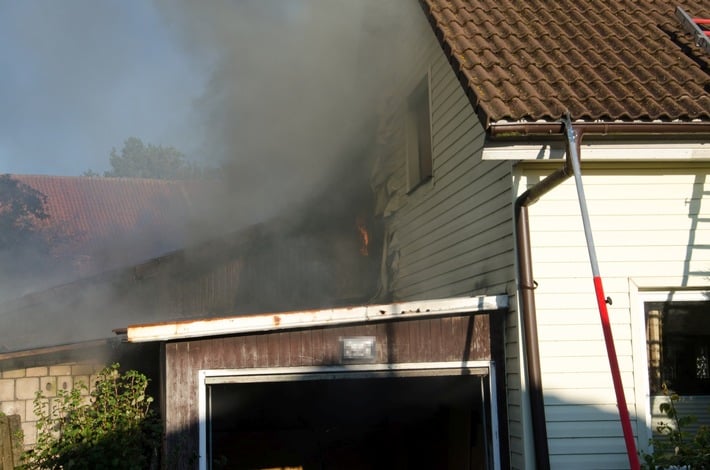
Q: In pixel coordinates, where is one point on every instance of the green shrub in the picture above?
(113, 426)
(676, 446)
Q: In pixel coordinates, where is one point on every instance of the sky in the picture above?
(80, 76)
(276, 93)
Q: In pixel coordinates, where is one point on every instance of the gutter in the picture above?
(515, 129)
(526, 285)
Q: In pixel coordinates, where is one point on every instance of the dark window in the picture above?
(678, 344)
(419, 158)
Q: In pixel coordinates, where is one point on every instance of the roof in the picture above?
(603, 61)
(92, 215)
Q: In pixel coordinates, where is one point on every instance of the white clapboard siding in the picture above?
(650, 225)
(455, 232)
(453, 235)
(592, 461)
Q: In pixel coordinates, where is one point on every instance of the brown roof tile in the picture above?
(623, 60)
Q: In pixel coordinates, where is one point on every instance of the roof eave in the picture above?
(526, 129)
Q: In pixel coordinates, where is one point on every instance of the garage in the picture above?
(408, 385)
(334, 418)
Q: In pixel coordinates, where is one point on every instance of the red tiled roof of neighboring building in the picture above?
(137, 218)
(601, 60)
(96, 207)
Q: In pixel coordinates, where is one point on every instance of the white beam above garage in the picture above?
(313, 318)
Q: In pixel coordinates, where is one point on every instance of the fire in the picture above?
(364, 235)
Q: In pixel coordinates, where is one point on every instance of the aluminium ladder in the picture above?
(698, 27)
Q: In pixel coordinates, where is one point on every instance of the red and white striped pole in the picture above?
(601, 300)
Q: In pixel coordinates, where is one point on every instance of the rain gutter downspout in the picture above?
(526, 288)
(524, 251)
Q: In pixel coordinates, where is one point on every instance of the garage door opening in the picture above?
(439, 418)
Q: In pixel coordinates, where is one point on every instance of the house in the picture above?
(483, 221)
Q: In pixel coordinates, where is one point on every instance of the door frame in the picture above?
(207, 377)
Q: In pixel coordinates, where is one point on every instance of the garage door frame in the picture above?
(207, 377)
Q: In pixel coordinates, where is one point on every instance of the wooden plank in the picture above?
(262, 348)
(448, 329)
(436, 338)
(6, 458)
(294, 345)
(307, 358)
(274, 351)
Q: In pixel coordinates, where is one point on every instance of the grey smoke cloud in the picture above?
(293, 89)
(283, 93)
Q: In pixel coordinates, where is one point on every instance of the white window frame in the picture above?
(639, 298)
(413, 152)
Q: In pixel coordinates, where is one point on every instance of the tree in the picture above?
(139, 160)
(25, 241)
(21, 207)
(29, 243)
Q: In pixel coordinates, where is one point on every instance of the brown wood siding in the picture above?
(443, 339)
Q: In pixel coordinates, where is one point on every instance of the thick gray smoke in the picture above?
(295, 88)
(289, 115)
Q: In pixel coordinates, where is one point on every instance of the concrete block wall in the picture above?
(18, 388)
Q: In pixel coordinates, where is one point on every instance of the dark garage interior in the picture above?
(346, 421)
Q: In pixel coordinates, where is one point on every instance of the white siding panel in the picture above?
(453, 234)
(562, 412)
(651, 225)
(585, 363)
(591, 461)
(581, 402)
(581, 428)
(581, 349)
(576, 332)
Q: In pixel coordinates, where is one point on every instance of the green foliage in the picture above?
(138, 160)
(676, 446)
(113, 426)
(90, 172)
(26, 239)
(21, 207)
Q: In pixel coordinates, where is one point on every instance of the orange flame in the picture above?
(364, 235)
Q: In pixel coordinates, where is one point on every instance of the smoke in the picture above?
(294, 91)
(289, 114)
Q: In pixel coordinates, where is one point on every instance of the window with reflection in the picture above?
(678, 346)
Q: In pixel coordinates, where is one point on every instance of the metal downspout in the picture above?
(524, 257)
(526, 288)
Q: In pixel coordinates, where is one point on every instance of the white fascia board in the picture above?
(652, 150)
(311, 318)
